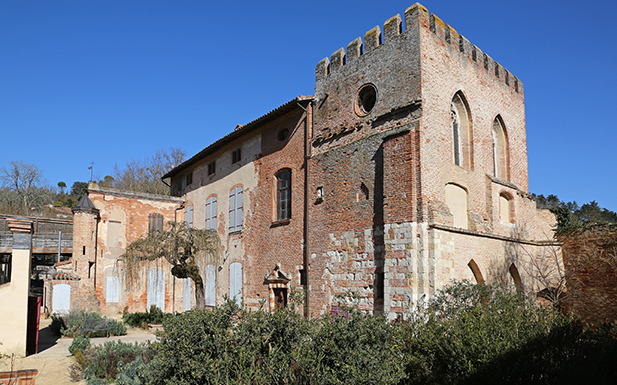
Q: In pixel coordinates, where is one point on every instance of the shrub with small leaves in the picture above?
(102, 362)
(116, 328)
(73, 321)
(79, 343)
(141, 320)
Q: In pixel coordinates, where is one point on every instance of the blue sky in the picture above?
(107, 81)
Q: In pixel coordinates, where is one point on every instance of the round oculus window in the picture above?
(367, 97)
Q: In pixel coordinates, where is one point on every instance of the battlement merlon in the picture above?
(417, 14)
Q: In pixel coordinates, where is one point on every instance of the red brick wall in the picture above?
(590, 258)
(124, 214)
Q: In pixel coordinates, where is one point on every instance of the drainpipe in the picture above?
(307, 156)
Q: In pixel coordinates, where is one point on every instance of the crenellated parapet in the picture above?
(417, 16)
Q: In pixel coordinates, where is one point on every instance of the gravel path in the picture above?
(53, 358)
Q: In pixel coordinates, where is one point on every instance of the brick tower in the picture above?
(419, 161)
(85, 228)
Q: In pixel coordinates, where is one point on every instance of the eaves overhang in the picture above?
(249, 127)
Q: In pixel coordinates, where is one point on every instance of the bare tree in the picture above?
(542, 264)
(23, 188)
(145, 175)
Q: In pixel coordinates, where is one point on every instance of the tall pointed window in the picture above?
(460, 118)
(283, 186)
(501, 155)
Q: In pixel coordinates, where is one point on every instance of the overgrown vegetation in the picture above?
(69, 325)
(141, 320)
(473, 334)
(184, 247)
(571, 216)
(468, 334)
(102, 364)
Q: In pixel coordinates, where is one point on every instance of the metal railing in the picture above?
(39, 240)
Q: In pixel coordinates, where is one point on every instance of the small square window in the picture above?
(236, 156)
(211, 168)
(189, 178)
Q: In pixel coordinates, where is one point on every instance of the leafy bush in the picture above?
(101, 363)
(355, 349)
(73, 321)
(79, 343)
(474, 334)
(116, 328)
(229, 345)
(141, 320)
(133, 373)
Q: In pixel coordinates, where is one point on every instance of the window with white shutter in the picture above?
(210, 285)
(235, 209)
(113, 290)
(188, 215)
(211, 213)
(235, 282)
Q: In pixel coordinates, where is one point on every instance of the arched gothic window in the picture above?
(501, 155)
(461, 132)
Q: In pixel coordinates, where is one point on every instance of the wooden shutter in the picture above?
(187, 294)
(210, 285)
(188, 215)
(156, 288)
(235, 209)
(211, 213)
(113, 289)
(235, 282)
(61, 300)
(238, 208)
(232, 210)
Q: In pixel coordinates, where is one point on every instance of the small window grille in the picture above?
(211, 168)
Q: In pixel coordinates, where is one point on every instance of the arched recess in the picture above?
(501, 153)
(477, 274)
(516, 277)
(506, 209)
(456, 200)
(462, 137)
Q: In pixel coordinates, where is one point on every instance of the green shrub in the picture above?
(101, 363)
(355, 349)
(472, 334)
(133, 373)
(116, 328)
(73, 321)
(229, 345)
(79, 343)
(138, 320)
